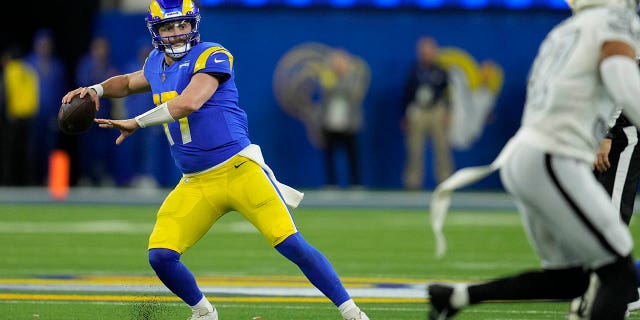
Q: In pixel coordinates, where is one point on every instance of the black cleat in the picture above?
(440, 296)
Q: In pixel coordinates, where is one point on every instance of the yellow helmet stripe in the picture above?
(155, 10)
(201, 62)
(187, 6)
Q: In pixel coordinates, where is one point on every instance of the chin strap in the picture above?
(178, 52)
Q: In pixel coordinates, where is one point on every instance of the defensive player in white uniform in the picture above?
(585, 67)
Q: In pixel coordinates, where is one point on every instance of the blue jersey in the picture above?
(219, 129)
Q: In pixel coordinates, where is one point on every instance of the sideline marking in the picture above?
(231, 288)
(128, 298)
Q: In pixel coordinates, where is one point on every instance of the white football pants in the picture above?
(567, 214)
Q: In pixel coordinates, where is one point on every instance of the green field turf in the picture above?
(58, 240)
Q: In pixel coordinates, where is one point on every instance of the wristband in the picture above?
(157, 115)
(98, 89)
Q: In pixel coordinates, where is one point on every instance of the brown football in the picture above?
(77, 116)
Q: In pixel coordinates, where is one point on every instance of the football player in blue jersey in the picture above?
(197, 103)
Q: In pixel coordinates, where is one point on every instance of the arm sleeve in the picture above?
(222, 77)
(621, 77)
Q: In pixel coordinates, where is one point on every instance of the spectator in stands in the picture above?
(96, 160)
(426, 116)
(52, 85)
(343, 87)
(21, 96)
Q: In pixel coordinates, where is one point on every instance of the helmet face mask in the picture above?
(178, 41)
(161, 13)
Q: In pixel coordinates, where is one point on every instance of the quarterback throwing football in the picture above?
(196, 101)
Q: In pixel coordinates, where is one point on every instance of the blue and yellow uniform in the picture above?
(218, 130)
(205, 146)
(222, 170)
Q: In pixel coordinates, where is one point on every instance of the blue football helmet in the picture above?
(163, 11)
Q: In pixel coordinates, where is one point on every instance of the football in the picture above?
(77, 116)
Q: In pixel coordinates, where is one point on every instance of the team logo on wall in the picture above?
(474, 90)
(298, 80)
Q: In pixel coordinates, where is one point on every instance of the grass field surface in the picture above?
(63, 261)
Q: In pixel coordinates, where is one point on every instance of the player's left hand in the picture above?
(602, 163)
(127, 127)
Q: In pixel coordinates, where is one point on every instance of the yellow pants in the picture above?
(198, 201)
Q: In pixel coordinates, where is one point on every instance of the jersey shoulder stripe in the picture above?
(201, 61)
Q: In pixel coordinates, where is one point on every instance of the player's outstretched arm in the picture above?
(115, 87)
(122, 85)
(125, 84)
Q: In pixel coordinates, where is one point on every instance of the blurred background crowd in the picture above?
(348, 95)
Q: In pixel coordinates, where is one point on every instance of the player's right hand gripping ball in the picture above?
(77, 116)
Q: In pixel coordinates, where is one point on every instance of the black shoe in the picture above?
(440, 296)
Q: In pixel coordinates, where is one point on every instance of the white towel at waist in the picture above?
(441, 197)
(292, 197)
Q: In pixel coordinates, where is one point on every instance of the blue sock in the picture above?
(638, 271)
(315, 266)
(175, 275)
